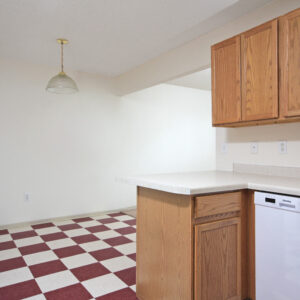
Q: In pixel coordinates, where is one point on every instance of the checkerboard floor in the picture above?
(78, 259)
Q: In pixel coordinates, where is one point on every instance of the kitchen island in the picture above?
(196, 233)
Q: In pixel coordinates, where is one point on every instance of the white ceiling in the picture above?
(108, 37)
(198, 80)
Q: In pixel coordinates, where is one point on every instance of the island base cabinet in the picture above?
(218, 260)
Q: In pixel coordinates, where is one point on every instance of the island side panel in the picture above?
(164, 246)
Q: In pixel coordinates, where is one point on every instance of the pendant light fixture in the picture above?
(62, 83)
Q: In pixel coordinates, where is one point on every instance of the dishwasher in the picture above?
(277, 246)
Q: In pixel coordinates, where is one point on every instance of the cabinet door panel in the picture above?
(226, 74)
(218, 260)
(290, 64)
(260, 72)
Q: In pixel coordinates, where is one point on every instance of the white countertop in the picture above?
(215, 181)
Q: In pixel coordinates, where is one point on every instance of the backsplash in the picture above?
(267, 170)
(238, 143)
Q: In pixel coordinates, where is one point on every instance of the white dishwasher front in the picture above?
(277, 246)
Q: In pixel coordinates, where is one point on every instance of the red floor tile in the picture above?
(126, 230)
(125, 294)
(127, 275)
(105, 254)
(98, 228)
(44, 225)
(132, 256)
(84, 238)
(131, 222)
(119, 240)
(68, 251)
(24, 234)
(47, 268)
(69, 227)
(89, 271)
(34, 248)
(72, 292)
(20, 290)
(54, 236)
(108, 220)
(12, 263)
(7, 245)
(78, 220)
(116, 214)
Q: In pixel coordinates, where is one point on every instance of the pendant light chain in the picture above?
(62, 56)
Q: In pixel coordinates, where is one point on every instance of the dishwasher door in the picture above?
(277, 247)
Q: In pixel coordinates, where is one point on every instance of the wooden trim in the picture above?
(211, 205)
(215, 218)
(259, 122)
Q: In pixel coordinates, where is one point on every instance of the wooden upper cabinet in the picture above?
(226, 88)
(218, 260)
(259, 48)
(290, 64)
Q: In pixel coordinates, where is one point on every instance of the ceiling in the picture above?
(108, 37)
(198, 80)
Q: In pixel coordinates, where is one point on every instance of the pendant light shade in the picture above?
(62, 83)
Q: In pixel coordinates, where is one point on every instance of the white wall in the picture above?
(267, 137)
(195, 55)
(67, 150)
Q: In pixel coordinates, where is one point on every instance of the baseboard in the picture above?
(91, 214)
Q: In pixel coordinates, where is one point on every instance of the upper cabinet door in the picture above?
(260, 72)
(290, 64)
(226, 88)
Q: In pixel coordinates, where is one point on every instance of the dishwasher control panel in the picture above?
(277, 201)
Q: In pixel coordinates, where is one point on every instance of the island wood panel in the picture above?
(217, 204)
(164, 246)
(226, 88)
(290, 64)
(259, 47)
(218, 260)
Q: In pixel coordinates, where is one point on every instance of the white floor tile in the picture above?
(29, 241)
(61, 243)
(89, 223)
(116, 225)
(124, 218)
(5, 238)
(131, 236)
(47, 230)
(107, 234)
(40, 257)
(78, 260)
(127, 248)
(118, 263)
(76, 232)
(55, 281)
(63, 222)
(133, 287)
(15, 276)
(93, 246)
(102, 217)
(20, 229)
(103, 285)
(10, 253)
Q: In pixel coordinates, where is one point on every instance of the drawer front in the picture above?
(217, 204)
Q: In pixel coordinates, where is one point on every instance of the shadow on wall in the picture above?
(265, 133)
